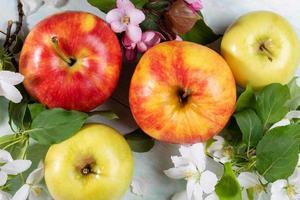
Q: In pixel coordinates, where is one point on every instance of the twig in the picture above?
(8, 32)
(11, 38)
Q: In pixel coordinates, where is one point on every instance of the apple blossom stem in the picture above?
(58, 51)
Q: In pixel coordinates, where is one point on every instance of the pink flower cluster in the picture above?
(127, 18)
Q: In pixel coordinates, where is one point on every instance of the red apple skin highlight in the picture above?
(182, 92)
(90, 80)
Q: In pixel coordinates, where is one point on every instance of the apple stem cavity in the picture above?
(183, 95)
(266, 51)
(66, 59)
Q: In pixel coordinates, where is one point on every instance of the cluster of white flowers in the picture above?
(191, 165)
(31, 189)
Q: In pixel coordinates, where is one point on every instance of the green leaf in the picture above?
(271, 103)
(277, 152)
(19, 115)
(246, 99)
(139, 3)
(228, 187)
(251, 127)
(35, 109)
(158, 6)
(103, 5)
(56, 125)
(151, 22)
(294, 102)
(107, 5)
(201, 34)
(139, 141)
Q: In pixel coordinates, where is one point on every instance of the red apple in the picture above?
(71, 60)
(182, 92)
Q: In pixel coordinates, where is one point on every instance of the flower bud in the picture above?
(181, 18)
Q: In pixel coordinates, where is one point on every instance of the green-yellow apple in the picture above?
(95, 164)
(182, 92)
(261, 48)
(71, 60)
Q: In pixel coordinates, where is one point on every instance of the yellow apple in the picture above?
(95, 164)
(261, 48)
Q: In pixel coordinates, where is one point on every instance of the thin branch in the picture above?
(13, 36)
(8, 32)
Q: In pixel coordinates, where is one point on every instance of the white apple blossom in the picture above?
(8, 80)
(191, 165)
(251, 180)
(10, 166)
(32, 190)
(219, 150)
(287, 189)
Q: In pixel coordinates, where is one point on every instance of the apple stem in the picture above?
(59, 52)
(265, 50)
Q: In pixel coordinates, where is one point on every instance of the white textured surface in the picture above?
(149, 166)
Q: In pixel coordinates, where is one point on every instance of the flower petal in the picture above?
(142, 47)
(248, 180)
(38, 193)
(11, 78)
(134, 33)
(198, 192)
(283, 122)
(114, 15)
(180, 172)
(195, 154)
(179, 161)
(136, 16)
(124, 4)
(3, 178)
(35, 176)
(10, 92)
(22, 193)
(294, 179)
(190, 187)
(15, 167)
(5, 195)
(118, 26)
(5, 156)
(216, 145)
(278, 191)
(208, 181)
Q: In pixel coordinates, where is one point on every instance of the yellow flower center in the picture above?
(290, 189)
(37, 191)
(259, 188)
(126, 20)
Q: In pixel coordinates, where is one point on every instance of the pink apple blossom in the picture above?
(196, 5)
(126, 18)
(130, 50)
(148, 40)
